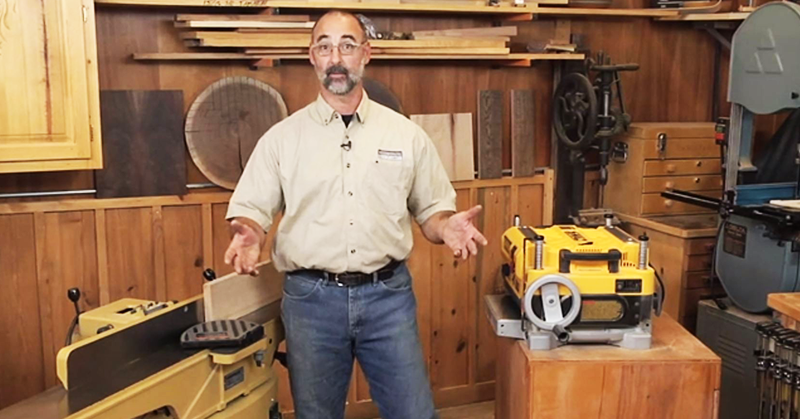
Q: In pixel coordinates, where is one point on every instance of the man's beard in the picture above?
(339, 86)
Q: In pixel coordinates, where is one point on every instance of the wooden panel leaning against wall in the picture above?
(157, 247)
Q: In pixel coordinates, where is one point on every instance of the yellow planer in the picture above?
(143, 359)
(574, 285)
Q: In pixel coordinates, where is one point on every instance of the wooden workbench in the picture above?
(678, 378)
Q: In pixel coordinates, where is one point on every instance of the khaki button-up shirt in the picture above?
(345, 209)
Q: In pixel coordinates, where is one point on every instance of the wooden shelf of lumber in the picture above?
(707, 17)
(506, 10)
(513, 59)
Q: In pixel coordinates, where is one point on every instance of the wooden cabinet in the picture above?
(49, 99)
(677, 378)
(655, 157)
(681, 251)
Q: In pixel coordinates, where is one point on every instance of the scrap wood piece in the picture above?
(489, 31)
(452, 136)
(233, 296)
(228, 24)
(490, 134)
(260, 17)
(522, 133)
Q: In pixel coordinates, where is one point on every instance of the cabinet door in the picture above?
(49, 101)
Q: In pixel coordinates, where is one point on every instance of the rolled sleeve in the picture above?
(431, 191)
(258, 194)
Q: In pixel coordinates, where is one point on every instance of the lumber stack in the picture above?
(285, 36)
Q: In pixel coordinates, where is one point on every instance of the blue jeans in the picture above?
(327, 326)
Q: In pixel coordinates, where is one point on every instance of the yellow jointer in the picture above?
(135, 367)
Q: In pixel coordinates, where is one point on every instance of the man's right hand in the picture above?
(245, 248)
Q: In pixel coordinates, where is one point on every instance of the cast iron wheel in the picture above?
(575, 111)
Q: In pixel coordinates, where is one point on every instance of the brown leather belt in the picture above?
(351, 279)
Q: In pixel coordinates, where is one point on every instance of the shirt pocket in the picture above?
(386, 189)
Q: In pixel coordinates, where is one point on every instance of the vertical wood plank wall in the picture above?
(156, 248)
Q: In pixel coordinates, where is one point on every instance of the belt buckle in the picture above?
(336, 280)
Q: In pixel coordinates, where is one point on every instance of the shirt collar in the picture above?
(327, 114)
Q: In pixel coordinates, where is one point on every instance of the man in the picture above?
(348, 174)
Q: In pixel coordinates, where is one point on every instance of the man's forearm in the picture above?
(433, 227)
(262, 236)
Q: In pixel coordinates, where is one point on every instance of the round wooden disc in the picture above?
(226, 121)
(378, 92)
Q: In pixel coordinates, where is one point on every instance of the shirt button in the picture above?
(348, 165)
(346, 137)
(351, 223)
(350, 193)
(352, 251)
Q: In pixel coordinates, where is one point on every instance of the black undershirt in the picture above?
(346, 119)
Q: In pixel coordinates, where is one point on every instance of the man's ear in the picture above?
(311, 56)
(367, 53)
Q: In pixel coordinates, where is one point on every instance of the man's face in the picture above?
(339, 53)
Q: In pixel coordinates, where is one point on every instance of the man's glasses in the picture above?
(325, 49)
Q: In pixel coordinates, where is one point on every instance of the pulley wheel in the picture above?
(575, 111)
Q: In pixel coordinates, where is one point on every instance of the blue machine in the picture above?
(758, 245)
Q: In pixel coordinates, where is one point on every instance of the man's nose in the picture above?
(336, 55)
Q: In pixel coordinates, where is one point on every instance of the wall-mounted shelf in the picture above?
(707, 17)
(510, 60)
(505, 11)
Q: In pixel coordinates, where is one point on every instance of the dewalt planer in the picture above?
(573, 285)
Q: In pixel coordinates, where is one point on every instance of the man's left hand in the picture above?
(461, 235)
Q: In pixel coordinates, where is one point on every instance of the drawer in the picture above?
(699, 263)
(682, 167)
(703, 246)
(701, 280)
(654, 203)
(684, 183)
(683, 148)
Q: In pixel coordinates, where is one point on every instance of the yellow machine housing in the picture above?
(608, 267)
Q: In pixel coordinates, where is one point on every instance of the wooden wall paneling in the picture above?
(523, 161)
(530, 206)
(493, 220)
(21, 370)
(131, 269)
(450, 319)
(208, 236)
(65, 258)
(221, 238)
(159, 262)
(183, 251)
(490, 131)
(101, 241)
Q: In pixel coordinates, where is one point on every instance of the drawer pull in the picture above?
(671, 168)
(696, 180)
(699, 163)
(669, 184)
(668, 203)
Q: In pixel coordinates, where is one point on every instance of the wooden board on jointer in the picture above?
(490, 132)
(523, 161)
(678, 378)
(452, 136)
(21, 367)
(233, 296)
(65, 258)
(146, 124)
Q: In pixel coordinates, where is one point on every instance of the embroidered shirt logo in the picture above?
(390, 154)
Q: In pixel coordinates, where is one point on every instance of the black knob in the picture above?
(644, 237)
(74, 294)
(209, 274)
(795, 95)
